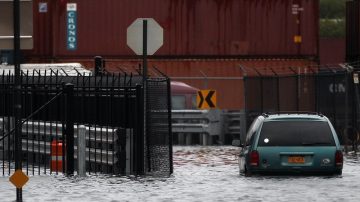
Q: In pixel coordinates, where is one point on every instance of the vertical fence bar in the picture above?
(59, 119)
(316, 92)
(37, 105)
(69, 91)
(125, 109)
(100, 118)
(10, 142)
(90, 118)
(77, 95)
(108, 103)
(243, 119)
(3, 99)
(81, 157)
(345, 132)
(3, 131)
(139, 137)
(33, 156)
(96, 118)
(44, 118)
(355, 106)
(147, 126)
(26, 93)
(11, 125)
(334, 98)
(170, 127)
(84, 112)
(262, 94)
(112, 120)
(8, 123)
(51, 116)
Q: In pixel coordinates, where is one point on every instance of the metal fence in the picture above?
(36, 102)
(109, 106)
(329, 91)
(158, 129)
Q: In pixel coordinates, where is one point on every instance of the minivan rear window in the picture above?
(296, 133)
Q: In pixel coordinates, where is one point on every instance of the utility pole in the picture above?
(17, 93)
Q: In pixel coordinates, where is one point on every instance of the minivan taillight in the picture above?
(338, 158)
(254, 158)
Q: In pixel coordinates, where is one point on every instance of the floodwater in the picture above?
(200, 174)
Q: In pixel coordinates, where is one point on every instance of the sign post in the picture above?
(7, 21)
(17, 93)
(144, 51)
(16, 33)
(144, 37)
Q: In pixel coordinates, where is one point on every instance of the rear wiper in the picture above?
(315, 143)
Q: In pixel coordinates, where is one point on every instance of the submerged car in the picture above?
(303, 143)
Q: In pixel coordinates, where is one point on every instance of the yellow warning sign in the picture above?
(19, 179)
(206, 99)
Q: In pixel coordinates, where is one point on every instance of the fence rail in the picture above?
(110, 105)
(204, 125)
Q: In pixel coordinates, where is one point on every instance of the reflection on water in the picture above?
(200, 174)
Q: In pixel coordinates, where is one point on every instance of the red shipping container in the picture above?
(332, 51)
(201, 28)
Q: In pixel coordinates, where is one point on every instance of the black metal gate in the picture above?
(107, 108)
(37, 105)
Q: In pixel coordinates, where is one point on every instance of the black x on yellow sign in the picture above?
(206, 99)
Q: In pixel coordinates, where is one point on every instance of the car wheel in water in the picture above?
(247, 172)
(338, 172)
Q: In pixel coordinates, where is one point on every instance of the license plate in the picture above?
(296, 159)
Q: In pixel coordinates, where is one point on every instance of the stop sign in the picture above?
(155, 36)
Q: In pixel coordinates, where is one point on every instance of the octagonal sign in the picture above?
(155, 36)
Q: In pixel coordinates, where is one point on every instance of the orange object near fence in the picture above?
(56, 156)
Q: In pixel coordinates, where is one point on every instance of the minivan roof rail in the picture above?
(266, 114)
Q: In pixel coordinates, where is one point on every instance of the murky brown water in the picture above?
(200, 174)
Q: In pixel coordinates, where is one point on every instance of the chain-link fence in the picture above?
(329, 91)
(158, 127)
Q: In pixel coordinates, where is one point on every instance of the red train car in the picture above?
(200, 29)
(183, 96)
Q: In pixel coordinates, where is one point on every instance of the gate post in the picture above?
(168, 82)
(139, 138)
(69, 103)
(98, 65)
(81, 157)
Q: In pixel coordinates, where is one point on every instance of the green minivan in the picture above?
(285, 143)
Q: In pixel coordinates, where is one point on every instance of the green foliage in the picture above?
(331, 28)
(332, 9)
(332, 18)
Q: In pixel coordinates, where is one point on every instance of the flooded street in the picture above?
(200, 174)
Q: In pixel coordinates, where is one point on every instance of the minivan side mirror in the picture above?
(237, 143)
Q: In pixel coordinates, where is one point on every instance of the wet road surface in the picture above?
(200, 174)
